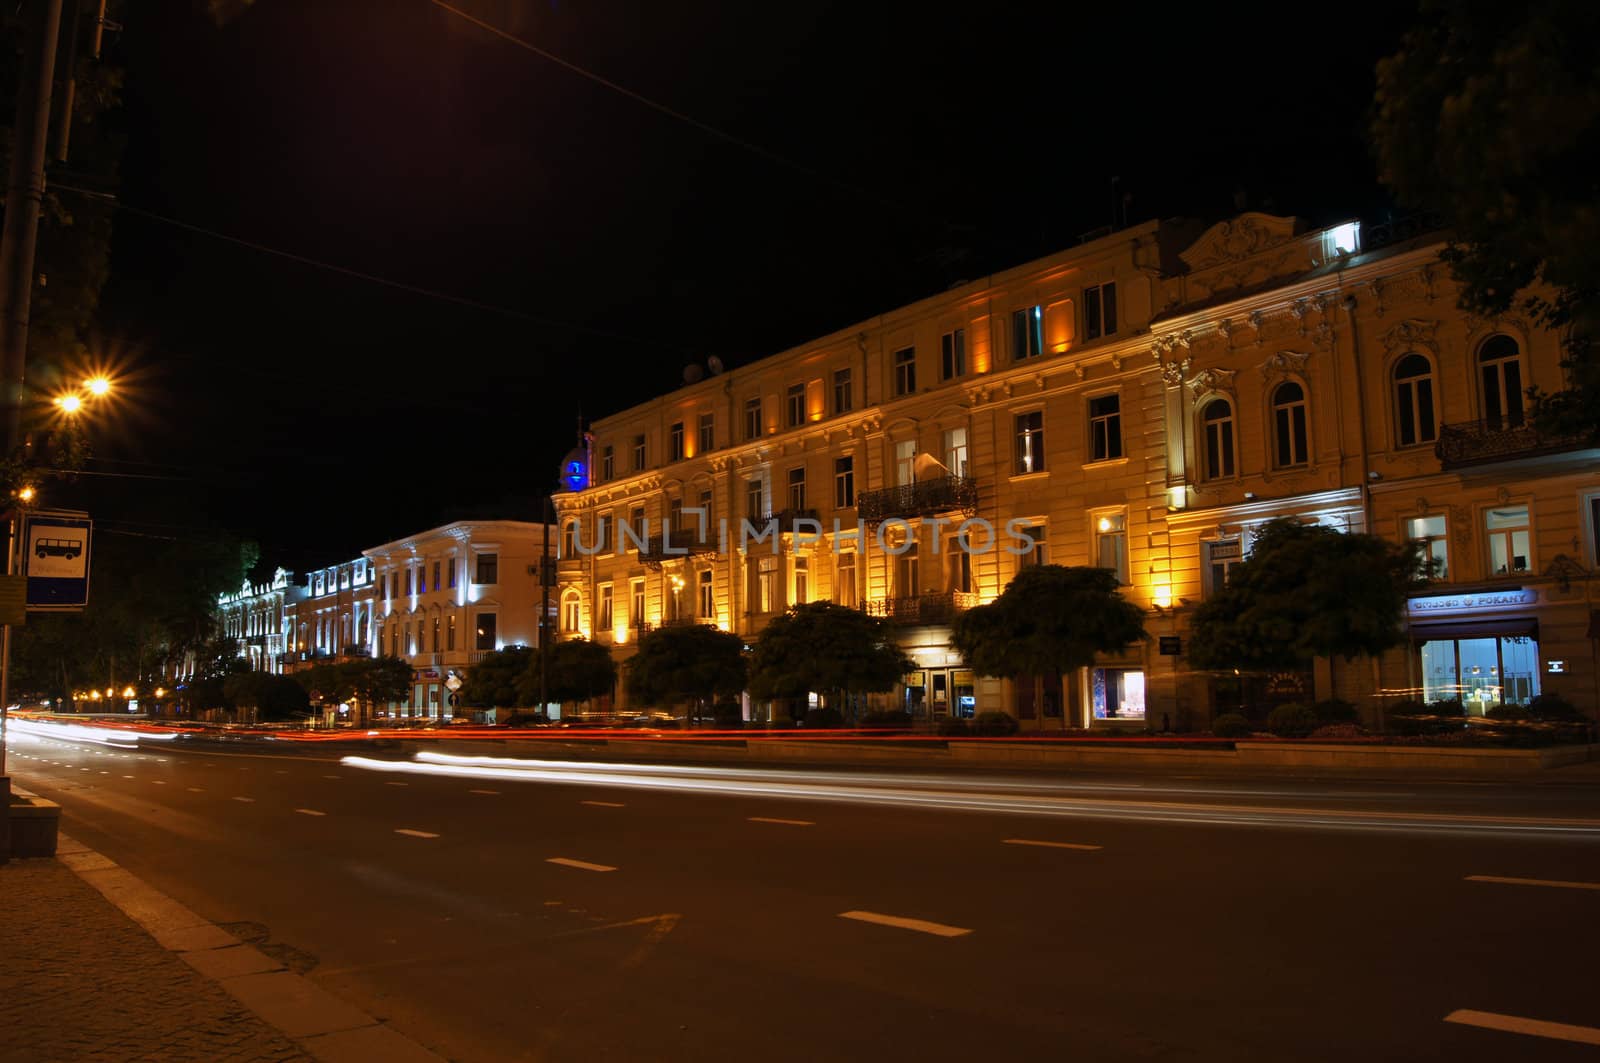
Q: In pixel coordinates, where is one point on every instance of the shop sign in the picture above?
(1450, 604)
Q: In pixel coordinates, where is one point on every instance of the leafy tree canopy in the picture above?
(492, 682)
(685, 663)
(274, 697)
(579, 670)
(1491, 114)
(1306, 591)
(828, 648)
(1050, 618)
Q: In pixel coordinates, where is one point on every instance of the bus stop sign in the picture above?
(55, 558)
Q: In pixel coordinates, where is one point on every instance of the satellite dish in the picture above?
(714, 364)
(692, 374)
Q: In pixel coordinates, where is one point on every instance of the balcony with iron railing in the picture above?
(1481, 442)
(677, 544)
(924, 498)
(938, 608)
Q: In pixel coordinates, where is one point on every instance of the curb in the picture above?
(318, 1022)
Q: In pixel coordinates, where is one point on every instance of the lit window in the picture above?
(1099, 311)
(1221, 556)
(844, 580)
(606, 606)
(1037, 552)
(708, 599)
(636, 615)
(955, 451)
(905, 462)
(450, 633)
(1510, 541)
(766, 584)
(485, 631)
(802, 580)
(1111, 544)
(905, 371)
(1027, 332)
(571, 612)
(1430, 533)
(1413, 401)
(1289, 425)
(1030, 442)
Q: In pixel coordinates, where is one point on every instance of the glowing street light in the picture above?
(98, 386)
(27, 493)
(69, 404)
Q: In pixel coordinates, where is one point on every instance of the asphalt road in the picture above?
(581, 912)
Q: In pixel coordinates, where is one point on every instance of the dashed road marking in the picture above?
(483, 791)
(159, 782)
(1052, 845)
(581, 865)
(310, 812)
(1559, 1031)
(127, 776)
(1535, 882)
(920, 925)
(246, 800)
(333, 776)
(604, 804)
(397, 784)
(195, 790)
(415, 833)
(785, 822)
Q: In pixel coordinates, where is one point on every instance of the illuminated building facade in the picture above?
(1140, 402)
(254, 617)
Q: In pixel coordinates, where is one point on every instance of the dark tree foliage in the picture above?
(1049, 619)
(691, 664)
(827, 648)
(1306, 591)
(272, 697)
(492, 682)
(579, 670)
(1490, 113)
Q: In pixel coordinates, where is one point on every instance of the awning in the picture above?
(1499, 627)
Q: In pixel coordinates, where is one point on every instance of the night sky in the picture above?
(611, 244)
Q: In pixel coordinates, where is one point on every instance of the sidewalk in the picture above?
(79, 980)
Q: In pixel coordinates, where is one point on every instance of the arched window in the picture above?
(1289, 425)
(569, 540)
(1413, 401)
(1500, 368)
(1216, 418)
(436, 646)
(571, 610)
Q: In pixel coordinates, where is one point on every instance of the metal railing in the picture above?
(938, 608)
(923, 498)
(1479, 442)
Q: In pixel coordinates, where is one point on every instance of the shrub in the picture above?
(1292, 720)
(1552, 706)
(886, 719)
(1335, 710)
(1448, 707)
(526, 719)
(728, 714)
(1509, 712)
(994, 724)
(824, 716)
(1407, 708)
(954, 727)
(1231, 725)
(1339, 730)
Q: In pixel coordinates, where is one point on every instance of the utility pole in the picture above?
(546, 578)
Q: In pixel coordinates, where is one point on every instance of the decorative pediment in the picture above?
(1208, 380)
(1237, 239)
(1286, 363)
(1410, 334)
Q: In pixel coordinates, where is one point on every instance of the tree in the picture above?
(377, 681)
(687, 664)
(272, 697)
(579, 670)
(492, 682)
(826, 648)
(1306, 591)
(1050, 619)
(1491, 113)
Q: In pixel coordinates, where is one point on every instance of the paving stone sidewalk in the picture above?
(79, 980)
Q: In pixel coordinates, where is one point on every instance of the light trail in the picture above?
(868, 789)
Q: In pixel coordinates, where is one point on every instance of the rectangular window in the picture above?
(844, 482)
(436, 584)
(1030, 442)
(1027, 333)
(638, 453)
(674, 516)
(1105, 427)
(905, 462)
(1099, 311)
(636, 610)
(1484, 672)
(755, 498)
(797, 488)
(408, 582)
(1431, 534)
(606, 606)
(488, 569)
(436, 634)
(708, 432)
(955, 451)
(392, 585)
(1510, 540)
(906, 574)
(636, 521)
(905, 371)
(958, 569)
(1111, 544)
(452, 571)
(1117, 693)
(708, 598)
(795, 405)
(675, 441)
(953, 353)
(707, 521)
(450, 633)
(844, 580)
(608, 463)
(1221, 556)
(1038, 552)
(802, 580)
(485, 632)
(752, 418)
(766, 584)
(843, 399)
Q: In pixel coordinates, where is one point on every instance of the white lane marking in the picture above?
(921, 925)
(785, 822)
(483, 792)
(247, 800)
(195, 790)
(310, 812)
(159, 782)
(1052, 845)
(333, 776)
(414, 833)
(604, 804)
(280, 771)
(1535, 882)
(1559, 1031)
(581, 865)
(127, 776)
(397, 784)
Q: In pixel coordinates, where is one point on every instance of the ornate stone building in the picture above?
(254, 617)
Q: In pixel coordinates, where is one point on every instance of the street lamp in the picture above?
(98, 386)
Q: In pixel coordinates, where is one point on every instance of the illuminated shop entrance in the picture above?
(1483, 671)
(933, 692)
(1117, 693)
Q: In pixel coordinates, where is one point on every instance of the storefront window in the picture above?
(964, 701)
(1482, 672)
(1118, 693)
